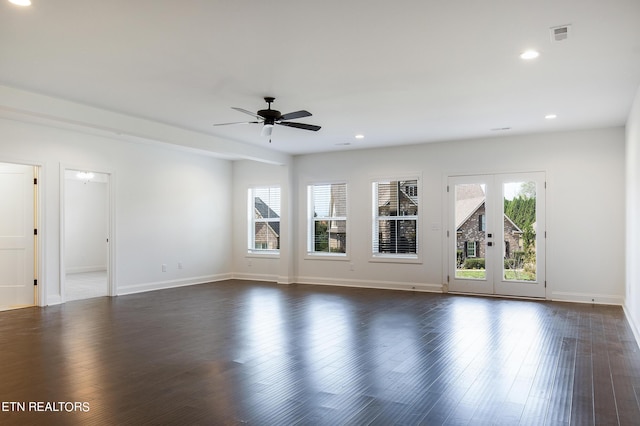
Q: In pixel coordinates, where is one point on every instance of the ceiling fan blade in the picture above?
(253, 114)
(296, 114)
(303, 126)
(237, 122)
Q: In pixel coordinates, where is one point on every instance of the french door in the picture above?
(496, 234)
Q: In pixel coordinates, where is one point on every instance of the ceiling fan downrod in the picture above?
(269, 100)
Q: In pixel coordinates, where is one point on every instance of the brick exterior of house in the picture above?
(470, 231)
(397, 200)
(267, 235)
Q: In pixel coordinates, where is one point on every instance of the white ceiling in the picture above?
(400, 72)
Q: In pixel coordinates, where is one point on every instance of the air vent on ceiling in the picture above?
(560, 33)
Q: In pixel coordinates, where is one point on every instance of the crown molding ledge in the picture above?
(25, 106)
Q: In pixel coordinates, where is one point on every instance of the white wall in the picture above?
(632, 301)
(170, 208)
(169, 205)
(585, 209)
(86, 225)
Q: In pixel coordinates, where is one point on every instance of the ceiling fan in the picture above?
(270, 117)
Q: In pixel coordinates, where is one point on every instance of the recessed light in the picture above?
(530, 54)
(21, 2)
(550, 116)
(359, 136)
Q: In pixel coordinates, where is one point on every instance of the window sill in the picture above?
(327, 256)
(264, 254)
(395, 259)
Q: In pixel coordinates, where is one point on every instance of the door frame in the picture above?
(496, 282)
(111, 254)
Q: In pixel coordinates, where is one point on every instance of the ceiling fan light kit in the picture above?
(270, 117)
(267, 129)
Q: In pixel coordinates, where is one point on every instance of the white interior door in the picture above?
(496, 234)
(16, 236)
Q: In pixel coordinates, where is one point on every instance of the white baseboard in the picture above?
(161, 285)
(596, 299)
(284, 280)
(382, 285)
(254, 277)
(634, 327)
(52, 299)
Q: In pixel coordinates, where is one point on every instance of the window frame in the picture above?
(252, 251)
(311, 253)
(375, 218)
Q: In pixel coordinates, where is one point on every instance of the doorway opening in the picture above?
(18, 236)
(496, 234)
(86, 224)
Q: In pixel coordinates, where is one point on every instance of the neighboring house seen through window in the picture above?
(395, 218)
(327, 227)
(471, 247)
(264, 214)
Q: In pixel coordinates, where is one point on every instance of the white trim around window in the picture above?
(263, 218)
(327, 224)
(395, 219)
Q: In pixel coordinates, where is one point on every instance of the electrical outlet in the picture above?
(164, 268)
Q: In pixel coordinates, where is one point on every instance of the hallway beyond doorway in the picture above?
(86, 285)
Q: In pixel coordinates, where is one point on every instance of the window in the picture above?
(411, 188)
(471, 248)
(264, 220)
(395, 218)
(327, 218)
(482, 222)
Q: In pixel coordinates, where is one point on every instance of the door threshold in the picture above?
(498, 296)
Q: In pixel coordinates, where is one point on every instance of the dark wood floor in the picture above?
(239, 352)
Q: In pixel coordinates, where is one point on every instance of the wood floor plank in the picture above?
(242, 352)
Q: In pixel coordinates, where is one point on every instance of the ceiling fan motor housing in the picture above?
(270, 115)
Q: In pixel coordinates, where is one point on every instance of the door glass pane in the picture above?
(519, 245)
(470, 231)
